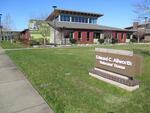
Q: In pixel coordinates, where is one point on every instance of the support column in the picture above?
(131, 36)
(88, 20)
(70, 18)
(59, 18)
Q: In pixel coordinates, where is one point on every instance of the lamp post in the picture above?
(0, 28)
(54, 7)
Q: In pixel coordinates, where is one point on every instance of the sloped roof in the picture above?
(71, 25)
(57, 12)
(147, 25)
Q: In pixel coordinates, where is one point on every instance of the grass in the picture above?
(9, 45)
(60, 75)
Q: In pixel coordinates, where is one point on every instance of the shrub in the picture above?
(73, 41)
(114, 40)
(41, 41)
(133, 40)
(101, 41)
(34, 42)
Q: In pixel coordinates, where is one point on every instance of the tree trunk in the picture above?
(44, 41)
(138, 39)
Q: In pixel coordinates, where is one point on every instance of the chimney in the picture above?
(135, 25)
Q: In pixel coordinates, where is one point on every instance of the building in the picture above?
(67, 25)
(142, 31)
(9, 35)
(25, 36)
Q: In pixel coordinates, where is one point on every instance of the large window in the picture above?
(79, 19)
(93, 20)
(65, 18)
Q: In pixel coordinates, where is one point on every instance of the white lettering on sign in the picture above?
(106, 63)
(116, 60)
(104, 58)
(119, 66)
(113, 62)
(112, 65)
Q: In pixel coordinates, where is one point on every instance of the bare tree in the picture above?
(142, 9)
(7, 22)
(108, 36)
(139, 34)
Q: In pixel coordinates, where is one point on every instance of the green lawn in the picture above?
(61, 76)
(9, 45)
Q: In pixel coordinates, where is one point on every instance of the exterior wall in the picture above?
(102, 36)
(76, 35)
(114, 34)
(51, 35)
(84, 37)
(25, 36)
(91, 37)
(147, 38)
(119, 37)
(124, 37)
(58, 36)
(9, 35)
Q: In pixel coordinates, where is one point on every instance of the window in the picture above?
(128, 36)
(93, 20)
(79, 19)
(71, 35)
(79, 36)
(88, 36)
(73, 19)
(76, 19)
(97, 35)
(86, 20)
(65, 18)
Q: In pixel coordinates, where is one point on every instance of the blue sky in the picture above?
(117, 13)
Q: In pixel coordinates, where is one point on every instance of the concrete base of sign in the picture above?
(115, 79)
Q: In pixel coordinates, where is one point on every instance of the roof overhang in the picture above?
(83, 26)
(57, 12)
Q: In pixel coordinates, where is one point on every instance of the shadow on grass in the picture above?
(142, 52)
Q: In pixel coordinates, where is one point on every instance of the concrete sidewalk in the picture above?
(16, 94)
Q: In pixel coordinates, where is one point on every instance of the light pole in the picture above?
(54, 7)
(0, 28)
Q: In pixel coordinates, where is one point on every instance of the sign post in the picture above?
(117, 67)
